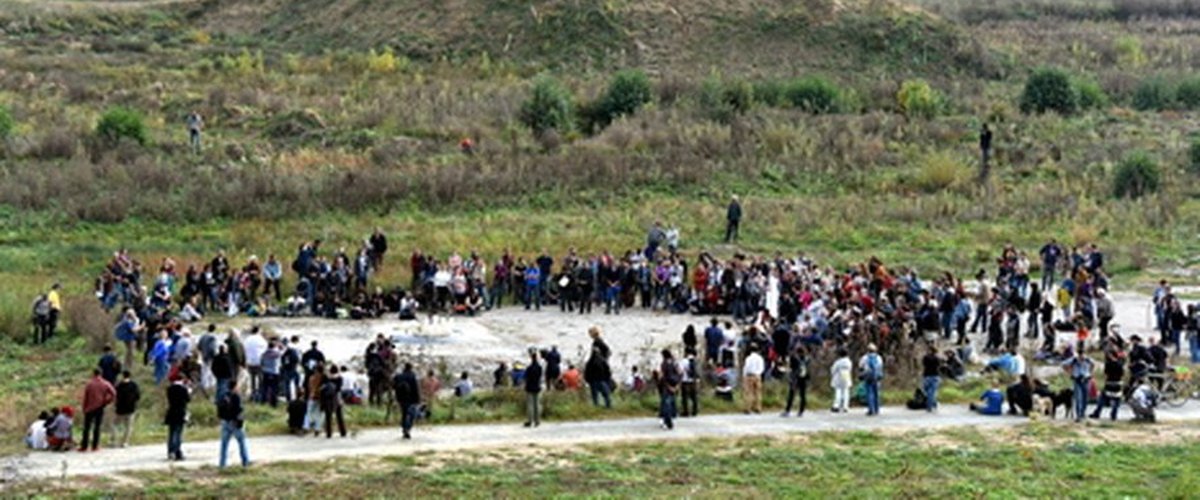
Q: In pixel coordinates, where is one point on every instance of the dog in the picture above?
(1064, 398)
(1041, 407)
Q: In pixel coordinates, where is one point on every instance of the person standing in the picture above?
(1050, 253)
(55, 300)
(714, 337)
(985, 150)
(1079, 367)
(178, 397)
(752, 374)
(797, 379)
(533, 390)
(270, 373)
(871, 367)
(408, 396)
(687, 387)
(931, 371)
(195, 125)
(222, 370)
(1114, 372)
(128, 395)
(109, 367)
(254, 346)
(533, 288)
(379, 246)
(733, 218)
(598, 376)
(668, 386)
(313, 416)
(331, 402)
(127, 331)
(97, 395)
(233, 425)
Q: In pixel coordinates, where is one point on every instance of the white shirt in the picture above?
(1018, 364)
(839, 373)
(754, 366)
(37, 435)
(255, 345)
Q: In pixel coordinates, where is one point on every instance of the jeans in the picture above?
(175, 441)
(160, 370)
(195, 140)
(91, 428)
(235, 430)
(872, 397)
(408, 415)
(981, 318)
(1104, 402)
(532, 409)
(270, 388)
(1195, 345)
(291, 384)
(255, 383)
(797, 387)
(312, 417)
(601, 389)
(731, 230)
(1047, 277)
(533, 297)
(497, 295)
(336, 411)
(1081, 396)
(931, 388)
(612, 299)
(222, 388)
(691, 400)
(666, 408)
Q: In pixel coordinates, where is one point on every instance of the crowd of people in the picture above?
(789, 319)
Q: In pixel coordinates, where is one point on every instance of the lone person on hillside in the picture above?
(733, 216)
(195, 124)
(985, 149)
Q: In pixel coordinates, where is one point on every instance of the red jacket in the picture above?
(98, 394)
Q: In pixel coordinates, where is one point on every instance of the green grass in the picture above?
(827, 465)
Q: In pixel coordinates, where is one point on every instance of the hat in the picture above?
(871, 347)
(68, 411)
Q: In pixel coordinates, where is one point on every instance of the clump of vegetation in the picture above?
(7, 123)
(1049, 89)
(549, 106)
(815, 95)
(940, 171)
(121, 123)
(1188, 93)
(1194, 156)
(1137, 175)
(723, 100)
(1129, 51)
(1091, 96)
(917, 99)
(1154, 94)
(628, 91)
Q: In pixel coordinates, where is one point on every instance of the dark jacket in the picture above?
(533, 378)
(931, 365)
(128, 395)
(222, 366)
(597, 370)
(408, 393)
(734, 213)
(177, 401)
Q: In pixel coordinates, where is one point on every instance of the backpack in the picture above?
(329, 394)
(871, 372)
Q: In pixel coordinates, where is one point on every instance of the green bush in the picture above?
(1194, 157)
(1153, 94)
(770, 93)
(1137, 175)
(1188, 93)
(1091, 96)
(722, 101)
(548, 107)
(628, 91)
(1049, 89)
(121, 123)
(814, 94)
(7, 124)
(917, 99)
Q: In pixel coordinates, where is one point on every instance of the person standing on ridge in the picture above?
(733, 218)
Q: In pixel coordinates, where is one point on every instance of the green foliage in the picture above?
(815, 95)
(7, 123)
(121, 123)
(1153, 94)
(941, 171)
(1188, 93)
(628, 91)
(549, 106)
(917, 99)
(1194, 156)
(770, 93)
(1129, 51)
(1137, 175)
(723, 100)
(1091, 96)
(1049, 89)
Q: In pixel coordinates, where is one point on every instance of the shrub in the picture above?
(121, 123)
(628, 91)
(917, 99)
(1194, 156)
(770, 93)
(385, 61)
(548, 107)
(1129, 51)
(1049, 89)
(1153, 94)
(84, 316)
(1137, 175)
(815, 95)
(940, 171)
(722, 101)
(7, 124)
(1091, 96)
(1188, 93)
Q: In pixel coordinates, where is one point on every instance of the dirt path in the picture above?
(266, 449)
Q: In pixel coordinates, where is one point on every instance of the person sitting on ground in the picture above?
(60, 430)
(635, 383)
(35, 437)
(463, 387)
(571, 379)
(993, 402)
(1142, 401)
(1011, 363)
(725, 382)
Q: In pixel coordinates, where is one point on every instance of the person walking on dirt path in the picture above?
(233, 425)
(179, 394)
(128, 394)
(752, 373)
(195, 125)
(733, 218)
(408, 396)
(931, 371)
(797, 380)
(1079, 368)
(688, 387)
(598, 376)
(533, 390)
(870, 367)
(331, 402)
(97, 395)
(127, 331)
(669, 379)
